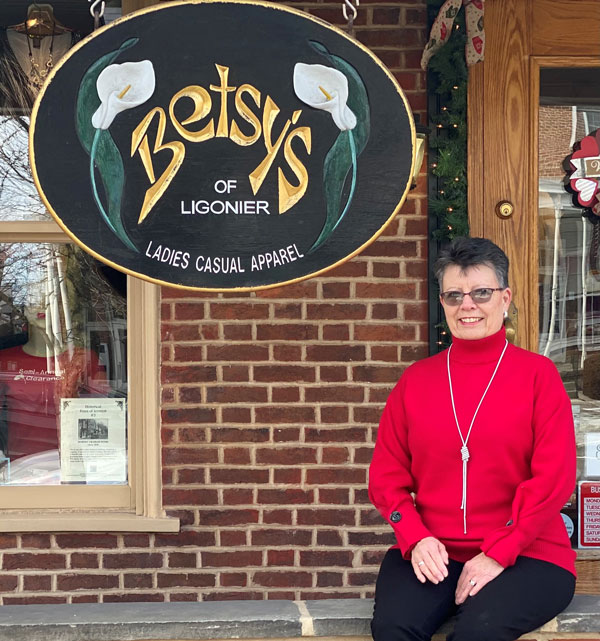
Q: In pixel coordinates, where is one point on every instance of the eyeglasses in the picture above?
(480, 295)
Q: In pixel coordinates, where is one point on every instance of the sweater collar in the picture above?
(481, 350)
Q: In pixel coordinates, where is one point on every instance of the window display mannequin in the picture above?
(28, 52)
(33, 379)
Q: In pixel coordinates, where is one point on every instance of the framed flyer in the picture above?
(93, 445)
(589, 514)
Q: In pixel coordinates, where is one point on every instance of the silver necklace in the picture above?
(464, 450)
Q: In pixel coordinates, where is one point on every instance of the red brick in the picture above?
(278, 537)
(189, 353)
(233, 476)
(189, 415)
(236, 373)
(132, 560)
(32, 561)
(287, 310)
(191, 435)
(333, 373)
(36, 541)
(415, 226)
(284, 373)
(277, 517)
(320, 516)
(334, 394)
(239, 435)
(306, 289)
(337, 311)
(232, 538)
(320, 558)
(337, 475)
(243, 595)
(410, 353)
(334, 16)
(237, 559)
(330, 538)
(193, 538)
(391, 58)
(165, 311)
(416, 16)
(274, 414)
(189, 455)
(182, 560)
(238, 496)
(336, 290)
(397, 291)
(30, 600)
(236, 456)
(342, 353)
(386, 16)
(237, 332)
(137, 581)
(387, 37)
(239, 311)
(236, 394)
(287, 353)
(336, 332)
(417, 269)
(184, 596)
(371, 517)
(85, 598)
(282, 579)
(86, 540)
(386, 270)
(136, 540)
(188, 374)
(376, 332)
(285, 394)
(134, 597)
(171, 332)
(372, 557)
(315, 595)
(237, 352)
(363, 455)
(81, 560)
(287, 496)
(280, 557)
(291, 476)
(185, 580)
(189, 311)
(233, 579)
(408, 80)
(209, 518)
(384, 353)
(377, 374)
(286, 332)
(68, 582)
(186, 496)
(346, 435)
(329, 579)
(335, 455)
(236, 415)
(286, 455)
(361, 496)
(10, 582)
(362, 578)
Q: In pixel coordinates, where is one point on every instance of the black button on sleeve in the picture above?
(510, 522)
(395, 517)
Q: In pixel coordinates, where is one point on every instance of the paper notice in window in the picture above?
(93, 443)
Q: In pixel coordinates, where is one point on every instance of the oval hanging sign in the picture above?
(222, 145)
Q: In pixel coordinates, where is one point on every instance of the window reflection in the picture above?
(62, 337)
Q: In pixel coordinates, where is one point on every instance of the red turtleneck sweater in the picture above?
(522, 455)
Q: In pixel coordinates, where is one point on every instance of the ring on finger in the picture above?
(421, 563)
(473, 583)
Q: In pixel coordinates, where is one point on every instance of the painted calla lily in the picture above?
(120, 87)
(324, 88)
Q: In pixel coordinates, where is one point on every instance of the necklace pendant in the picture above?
(464, 452)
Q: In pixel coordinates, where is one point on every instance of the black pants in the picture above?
(522, 598)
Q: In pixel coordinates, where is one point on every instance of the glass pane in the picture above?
(63, 369)
(569, 259)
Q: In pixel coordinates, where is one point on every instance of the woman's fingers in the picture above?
(429, 558)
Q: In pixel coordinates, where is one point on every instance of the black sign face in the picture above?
(222, 145)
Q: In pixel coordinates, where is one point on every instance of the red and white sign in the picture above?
(589, 514)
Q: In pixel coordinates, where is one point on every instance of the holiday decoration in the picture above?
(584, 173)
(443, 27)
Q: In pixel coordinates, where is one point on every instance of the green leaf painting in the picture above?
(105, 158)
(341, 160)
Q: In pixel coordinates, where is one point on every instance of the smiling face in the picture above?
(471, 320)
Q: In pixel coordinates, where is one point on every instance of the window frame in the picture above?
(137, 506)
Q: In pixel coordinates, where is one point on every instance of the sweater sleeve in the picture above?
(390, 479)
(553, 470)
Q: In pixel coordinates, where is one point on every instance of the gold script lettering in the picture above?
(139, 142)
(248, 115)
(202, 106)
(289, 195)
(223, 89)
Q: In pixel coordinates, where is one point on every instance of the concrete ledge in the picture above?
(233, 620)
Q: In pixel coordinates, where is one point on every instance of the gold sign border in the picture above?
(166, 7)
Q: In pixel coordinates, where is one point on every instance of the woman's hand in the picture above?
(476, 573)
(429, 560)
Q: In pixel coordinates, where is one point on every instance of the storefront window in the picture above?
(63, 370)
(569, 260)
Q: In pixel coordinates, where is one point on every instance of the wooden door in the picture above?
(531, 44)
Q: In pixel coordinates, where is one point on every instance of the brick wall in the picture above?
(270, 407)
(555, 127)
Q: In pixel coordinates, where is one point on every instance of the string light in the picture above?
(455, 126)
(440, 126)
(450, 209)
(455, 87)
(433, 165)
(444, 108)
(456, 179)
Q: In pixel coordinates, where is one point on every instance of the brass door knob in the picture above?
(504, 209)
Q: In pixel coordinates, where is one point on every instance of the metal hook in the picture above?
(95, 3)
(348, 4)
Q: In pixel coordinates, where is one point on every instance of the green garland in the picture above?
(448, 80)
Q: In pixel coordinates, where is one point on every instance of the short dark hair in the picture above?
(470, 252)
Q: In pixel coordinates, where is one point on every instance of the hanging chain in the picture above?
(97, 11)
(352, 6)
